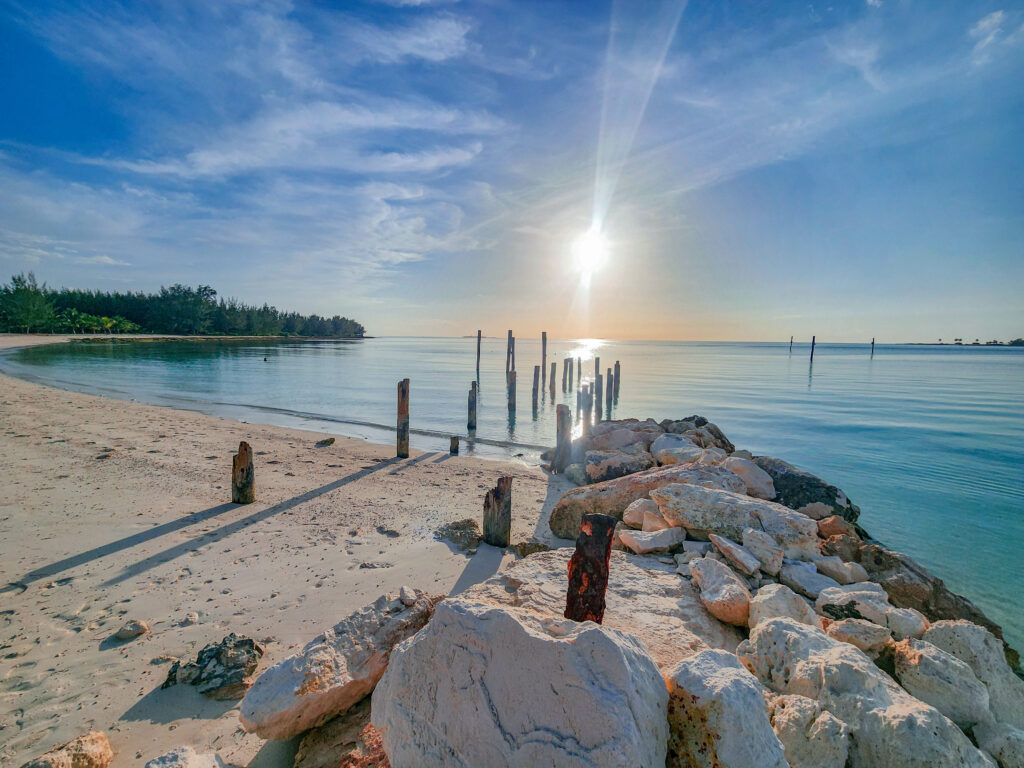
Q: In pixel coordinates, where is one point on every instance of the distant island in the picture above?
(27, 307)
(978, 343)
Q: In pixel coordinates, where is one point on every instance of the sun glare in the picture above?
(590, 251)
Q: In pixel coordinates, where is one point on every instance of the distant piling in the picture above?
(618, 376)
(585, 409)
(812, 348)
(551, 382)
(790, 345)
(598, 396)
(498, 513)
(453, 445)
(563, 438)
(579, 369)
(536, 386)
(508, 354)
(513, 353)
(403, 420)
(243, 476)
(597, 366)
(544, 358)
(872, 346)
(479, 337)
(610, 393)
(565, 373)
(511, 392)
(471, 417)
(579, 403)
(572, 366)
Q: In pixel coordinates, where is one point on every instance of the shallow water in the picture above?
(928, 441)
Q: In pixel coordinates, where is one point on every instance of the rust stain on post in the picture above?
(588, 569)
(243, 478)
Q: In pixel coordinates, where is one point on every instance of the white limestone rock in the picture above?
(759, 483)
(811, 736)
(608, 465)
(675, 449)
(983, 653)
(942, 680)
(700, 548)
(642, 542)
(185, 757)
(483, 685)
(888, 727)
(774, 600)
(334, 671)
(739, 558)
(722, 592)
(860, 633)
(805, 580)
(703, 511)
(906, 622)
(633, 516)
(840, 570)
(653, 521)
(1004, 742)
(867, 598)
(763, 547)
(717, 716)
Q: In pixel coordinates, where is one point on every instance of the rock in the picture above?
(806, 581)
(798, 489)
(221, 670)
(89, 751)
(325, 442)
(834, 525)
(722, 592)
(333, 671)
(842, 572)
(703, 511)
(603, 701)
(464, 534)
(864, 600)
(671, 449)
(888, 727)
(613, 439)
(717, 716)
(608, 465)
(1004, 742)
(653, 521)
(860, 633)
(617, 536)
(683, 569)
(613, 496)
(697, 547)
(905, 622)
(650, 602)
(763, 547)
(190, 618)
(133, 628)
(347, 741)
(527, 548)
(185, 757)
(720, 440)
(739, 558)
(758, 482)
(633, 516)
(577, 474)
(408, 596)
(981, 651)
(942, 680)
(811, 736)
(659, 541)
(773, 600)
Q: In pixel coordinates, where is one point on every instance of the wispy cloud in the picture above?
(102, 260)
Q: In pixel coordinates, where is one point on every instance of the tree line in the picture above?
(28, 307)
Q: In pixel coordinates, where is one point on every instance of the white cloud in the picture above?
(435, 39)
(103, 260)
(986, 31)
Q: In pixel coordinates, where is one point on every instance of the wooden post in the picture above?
(471, 418)
(872, 346)
(544, 358)
(579, 370)
(565, 373)
(536, 385)
(812, 349)
(579, 403)
(551, 383)
(243, 478)
(572, 365)
(508, 355)
(479, 336)
(597, 366)
(453, 445)
(618, 376)
(588, 569)
(513, 353)
(563, 438)
(512, 391)
(598, 391)
(610, 391)
(587, 404)
(790, 345)
(403, 419)
(498, 513)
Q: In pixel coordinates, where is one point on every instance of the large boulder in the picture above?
(613, 496)
(811, 736)
(608, 465)
(938, 678)
(484, 685)
(89, 751)
(758, 482)
(1004, 742)
(335, 670)
(888, 727)
(222, 671)
(774, 600)
(805, 492)
(980, 650)
(722, 592)
(860, 633)
(703, 511)
(717, 716)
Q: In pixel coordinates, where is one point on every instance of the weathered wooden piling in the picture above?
(536, 385)
(572, 365)
(565, 373)
(563, 438)
(579, 403)
(613, 380)
(551, 383)
(598, 390)
(403, 419)
(872, 346)
(812, 349)
(544, 358)
(791, 344)
(618, 376)
(512, 391)
(508, 354)
(243, 477)
(453, 445)
(588, 569)
(587, 407)
(479, 337)
(579, 370)
(597, 366)
(498, 513)
(471, 418)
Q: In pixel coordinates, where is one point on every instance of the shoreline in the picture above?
(115, 510)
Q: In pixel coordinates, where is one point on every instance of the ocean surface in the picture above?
(927, 440)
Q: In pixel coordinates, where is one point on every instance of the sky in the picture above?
(757, 170)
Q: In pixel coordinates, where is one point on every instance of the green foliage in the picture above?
(179, 309)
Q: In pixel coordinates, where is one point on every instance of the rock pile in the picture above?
(221, 670)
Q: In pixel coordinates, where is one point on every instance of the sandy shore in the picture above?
(112, 510)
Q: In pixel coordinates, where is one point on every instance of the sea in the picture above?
(927, 440)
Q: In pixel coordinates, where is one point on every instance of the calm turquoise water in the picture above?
(929, 441)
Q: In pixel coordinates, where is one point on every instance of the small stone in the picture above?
(722, 592)
(653, 521)
(633, 516)
(834, 525)
(805, 580)
(763, 547)
(89, 751)
(325, 442)
(860, 633)
(132, 629)
(700, 548)
(190, 618)
(906, 622)
(659, 541)
(742, 560)
(759, 483)
(221, 670)
(185, 757)
(407, 596)
(843, 572)
(774, 600)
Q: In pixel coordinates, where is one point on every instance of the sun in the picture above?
(590, 251)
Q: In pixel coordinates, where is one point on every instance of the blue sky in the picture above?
(847, 169)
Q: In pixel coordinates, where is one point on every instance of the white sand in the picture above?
(145, 533)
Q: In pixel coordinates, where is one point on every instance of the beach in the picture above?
(113, 510)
